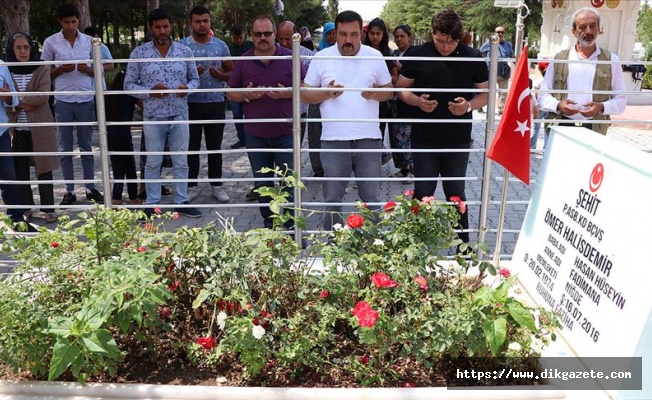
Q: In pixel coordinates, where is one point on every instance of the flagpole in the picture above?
(521, 13)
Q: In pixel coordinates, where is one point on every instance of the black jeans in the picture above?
(446, 165)
(123, 166)
(213, 132)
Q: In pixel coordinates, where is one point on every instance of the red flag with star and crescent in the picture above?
(511, 145)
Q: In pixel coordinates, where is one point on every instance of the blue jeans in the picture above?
(258, 160)
(446, 165)
(177, 136)
(341, 165)
(238, 113)
(76, 112)
(8, 173)
(537, 129)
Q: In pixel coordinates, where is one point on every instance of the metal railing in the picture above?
(484, 204)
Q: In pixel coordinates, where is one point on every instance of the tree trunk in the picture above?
(16, 15)
(84, 13)
(151, 5)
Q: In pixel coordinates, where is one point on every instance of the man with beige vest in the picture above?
(583, 79)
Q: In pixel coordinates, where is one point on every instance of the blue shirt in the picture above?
(214, 48)
(145, 75)
(5, 77)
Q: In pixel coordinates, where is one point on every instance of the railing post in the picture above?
(489, 137)
(296, 129)
(98, 71)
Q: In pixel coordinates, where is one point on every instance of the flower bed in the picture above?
(105, 298)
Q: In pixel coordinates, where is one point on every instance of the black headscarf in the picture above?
(11, 55)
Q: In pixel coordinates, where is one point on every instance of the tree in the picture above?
(333, 9)
(16, 15)
(84, 13)
(644, 27)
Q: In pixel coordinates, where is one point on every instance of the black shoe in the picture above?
(94, 195)
(252, 196)
(238, 145)
(165, 191)
(319, 174)
(68, 199)
(188, 212)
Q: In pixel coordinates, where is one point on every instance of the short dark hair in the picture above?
(237, 29)
(157, 15)
(449, 23)
(348, 16)
(67, 10)
(405, 28)
(262, 18)
(91, 31)
(199, 10)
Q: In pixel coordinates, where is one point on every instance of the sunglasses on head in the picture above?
(261, 34)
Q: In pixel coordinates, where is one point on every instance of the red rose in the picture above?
(504, 272)
(174, 286)
(459, 203)
(423, 283)
(54, 244)
(415, 209)
(206, 342)
(355, 221)
(409, 193)
(175, 216)
(382, 280)
(141, 249)
(389, 206)
(165, 312)
(157, 211)
(364, 359)
(366, 315)
(324, 294)
(408, 384)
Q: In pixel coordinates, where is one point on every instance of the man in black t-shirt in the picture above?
(456, 104)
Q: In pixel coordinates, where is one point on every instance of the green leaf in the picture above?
(63, 355)
(108, 343)
(91, 343)
(484, 296)
(500, 295)
(496, 332)
(521, 315)
(60, 326)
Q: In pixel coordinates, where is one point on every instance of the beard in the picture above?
(586, 41)
(162, 40)
(200, 33)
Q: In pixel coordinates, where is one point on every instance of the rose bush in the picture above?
(375, 303)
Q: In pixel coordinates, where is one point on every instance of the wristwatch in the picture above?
(246, 98)
(469, 108)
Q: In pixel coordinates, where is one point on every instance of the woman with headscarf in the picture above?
(328, 39)
(32, 109)
(306, 38)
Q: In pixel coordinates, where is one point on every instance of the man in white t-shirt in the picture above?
(350, 71)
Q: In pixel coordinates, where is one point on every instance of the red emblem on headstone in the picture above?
(595, 181)
(554, 3)
(597, 3)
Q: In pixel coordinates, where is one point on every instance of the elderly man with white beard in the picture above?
(582, 79)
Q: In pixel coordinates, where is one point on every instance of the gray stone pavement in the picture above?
(245, 215)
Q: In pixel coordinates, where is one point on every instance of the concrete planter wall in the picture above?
(100, 391)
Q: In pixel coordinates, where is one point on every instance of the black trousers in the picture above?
(124, 166)
(213, 133)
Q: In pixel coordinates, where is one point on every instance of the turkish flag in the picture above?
(511, 145)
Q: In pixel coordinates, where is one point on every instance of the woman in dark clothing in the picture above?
(119, 108)
(378, 38)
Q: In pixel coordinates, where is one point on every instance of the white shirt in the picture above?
(57, 48)
(351, 72)
(580, 78)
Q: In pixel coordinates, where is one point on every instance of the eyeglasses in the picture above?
(261, 34)
(446, 42)
(19, 48)
(500, 32)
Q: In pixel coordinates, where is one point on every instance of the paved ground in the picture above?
(633, 128)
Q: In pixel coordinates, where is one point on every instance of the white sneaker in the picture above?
(219, 194)
(193, 193)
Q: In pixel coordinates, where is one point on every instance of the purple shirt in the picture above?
(271, 75)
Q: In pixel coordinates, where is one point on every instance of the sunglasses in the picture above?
(261, 34)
